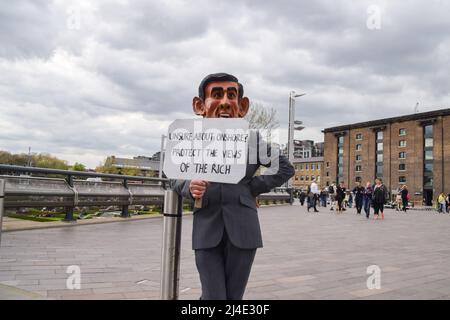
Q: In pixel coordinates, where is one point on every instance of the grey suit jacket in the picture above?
(233, 206)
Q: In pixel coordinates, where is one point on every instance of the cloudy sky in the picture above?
(86, 79)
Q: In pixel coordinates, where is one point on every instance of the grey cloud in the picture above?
(104, 89)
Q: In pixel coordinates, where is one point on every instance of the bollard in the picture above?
(171, 245)
(2, 199)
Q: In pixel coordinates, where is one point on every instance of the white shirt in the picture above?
(314, 188)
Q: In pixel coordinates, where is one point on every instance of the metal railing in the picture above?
(26, 191)
(39, 190)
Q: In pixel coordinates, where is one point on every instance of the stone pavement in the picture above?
(305, 256)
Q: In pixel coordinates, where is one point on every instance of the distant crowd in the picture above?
(373, 196)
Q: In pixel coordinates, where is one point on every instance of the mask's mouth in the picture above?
(224, 115)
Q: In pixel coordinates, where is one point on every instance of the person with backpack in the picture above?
(379, 198)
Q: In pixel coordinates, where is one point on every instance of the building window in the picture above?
(306, 166)
(358, 168)
(359, 136)
(318, 178)
(402, 132)
(379, 170)
(358, 179)
(402, 143)
(428, 142)
(313, 166)
(312, 178)
(379, 157)
(428, 154)
(428, 168)
(402, 167)
(402, 179)
(428, 182)
(380, 146)
(379, 154)
(328, 164)
(301, 167)
(358, 157)
(328, 173)
(358, 147)
(340, 160)
(318, 166)
(307, 178)
(402, 155)
(302, 178)
(428, 131)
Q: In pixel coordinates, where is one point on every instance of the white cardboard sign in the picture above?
(212, 149)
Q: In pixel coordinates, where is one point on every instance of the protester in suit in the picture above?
(226, 230)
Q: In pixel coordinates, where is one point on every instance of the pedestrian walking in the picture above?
(441, 202)
(405, 197)
(368, 192)
(379, 198)
(358, 191)
(448, 204)
(313, 195)
(340, 195)
(332, 194)
(323, 198)
(302, 197)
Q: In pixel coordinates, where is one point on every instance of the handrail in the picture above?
(14, 168)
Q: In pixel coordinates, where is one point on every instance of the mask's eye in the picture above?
(231, 95)
(216, 94)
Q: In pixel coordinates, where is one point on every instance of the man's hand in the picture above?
(198, 188)
(257, 202)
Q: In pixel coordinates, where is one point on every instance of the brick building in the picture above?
(412, 150)
(306, 170)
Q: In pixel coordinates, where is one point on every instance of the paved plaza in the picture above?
(305, 256)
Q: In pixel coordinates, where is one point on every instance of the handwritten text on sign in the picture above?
(209, 149)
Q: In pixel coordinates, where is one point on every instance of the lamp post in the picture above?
(290, 145)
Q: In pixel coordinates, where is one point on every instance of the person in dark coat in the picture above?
(358, 191)
(404, 194)
(302, 197)
(379, 198)
(340, 195)
(368, 192)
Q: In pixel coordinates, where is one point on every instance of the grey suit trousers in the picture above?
(224, 270)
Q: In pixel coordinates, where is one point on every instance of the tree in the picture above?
(79, 167)
(41, 160)
(45, 160)
(262, 118)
